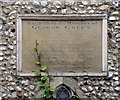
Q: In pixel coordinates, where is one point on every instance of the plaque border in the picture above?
(72, 17)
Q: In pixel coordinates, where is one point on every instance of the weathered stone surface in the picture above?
(43, 7)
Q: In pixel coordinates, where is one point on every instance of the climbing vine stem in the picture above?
(44, 81)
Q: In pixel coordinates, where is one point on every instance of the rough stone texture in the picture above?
(103, 88)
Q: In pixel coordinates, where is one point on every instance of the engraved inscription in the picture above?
(66, 46)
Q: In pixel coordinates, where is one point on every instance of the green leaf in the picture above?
(47, 84)
(37, 73)
(51, 89)
(47, 89)
(43, 68)
(40, 53)
(35, 49)
(40, 84)
(47, 96)
(42, 95)
(44, 78)
(38, 63)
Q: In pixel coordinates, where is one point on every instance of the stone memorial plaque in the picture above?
(67, 45)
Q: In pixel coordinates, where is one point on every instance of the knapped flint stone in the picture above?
(3, 48)
(11, 35)
(89, 8)
(74, 8)
(116, 3)
(26, 89)
(6, 10)
(98, 94)
(64, 11)
(26, 94)
(118, 39)
(14, 67)
(7, 53)
(93, 92)
(115, 13)
(116, 83)
(25, 82)
(14, 95)
(1, 58)
(104, 7)
(96, 83)
(44, 10)
(4, 95)
(3, 68)
(118, 23)
(90, 88)
(84, 89)
(53, 11)
(44, 3)
(12, 62)
(118, 45)
(13, 57)
(31, 93)
(84, 2)
(99, 12)
(80, 11)
(81, 6)
(3, 18)
(9, 78)
(11, 88)
(102, 82)
(14, 42)
(96, 87)
(57, 4)
(116, 73)
(12, 17)
(80, 83)
(32, 87)
(18, 88)
(114, 58)
(1, 26)
(36, 3)
(18, 3)
(71, 12)
(113, 18)
(11, 47)
(69, 2)
(116, 78)
(19, 94)
(117, 27)
(13, 12)
(106, 94)
(115, 95)
(117, 88)
(91, 11)
(12, 83)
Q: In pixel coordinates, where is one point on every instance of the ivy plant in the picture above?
(44, 81)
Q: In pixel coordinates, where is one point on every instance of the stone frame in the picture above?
(20, 17)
